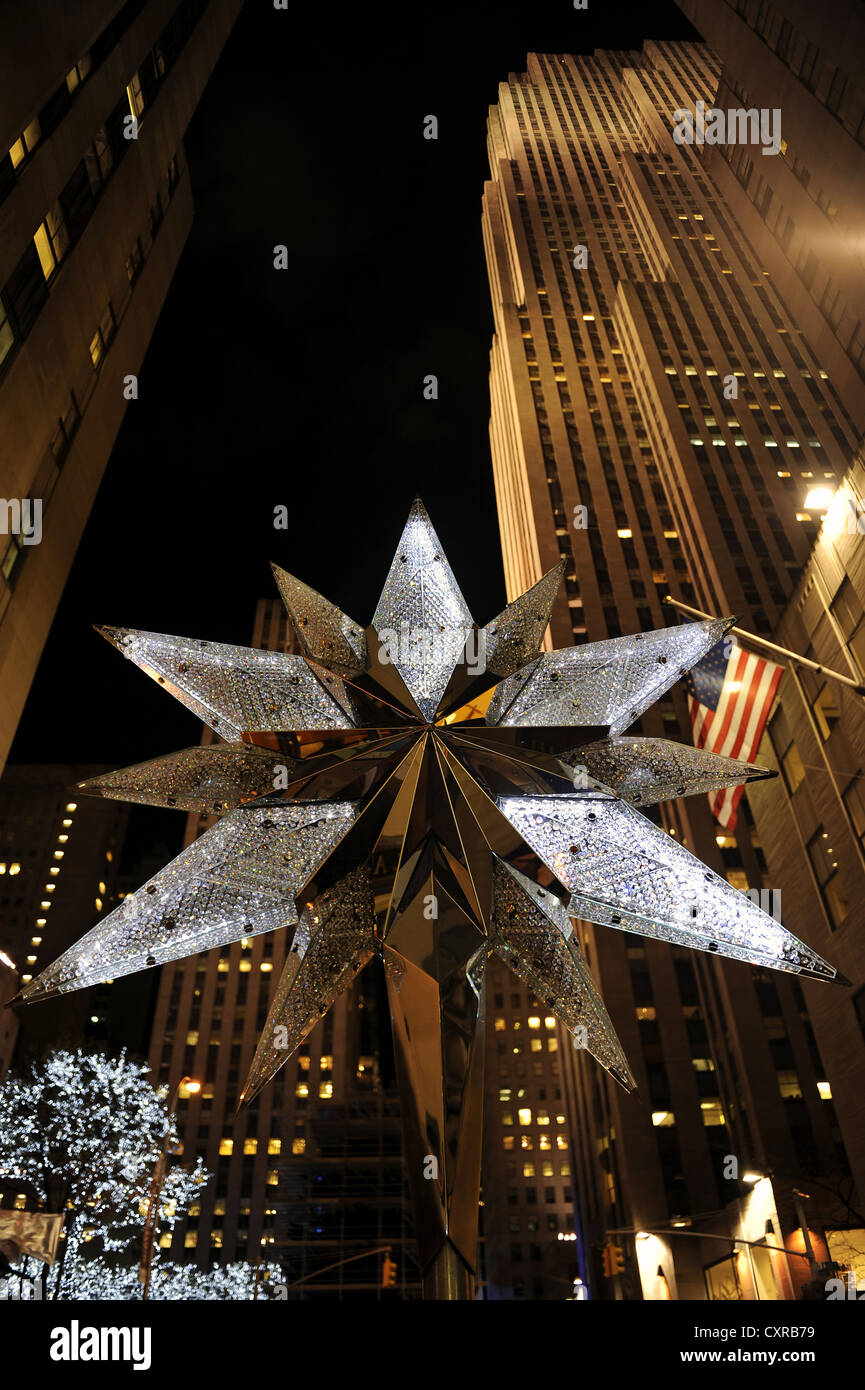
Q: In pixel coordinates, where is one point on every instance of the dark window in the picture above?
(76, 200)
(854, 800)
(114, 130)
(764, 18)
(825, 864)
(54, 110)
(809, 270)
(782, 48)
(836, 91)
(149, 79)
(809, 63)
(99, 161)
(26, 292)
(134, 263)
(7, 177)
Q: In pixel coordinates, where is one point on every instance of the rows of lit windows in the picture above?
(15, 552)
(525, 1117)
(249, 1146)
(65, 220)
(545, 1142)
(588, 320)
(53, 873)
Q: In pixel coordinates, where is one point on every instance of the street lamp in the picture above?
(187, 1086)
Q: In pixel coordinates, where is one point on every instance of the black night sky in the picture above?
(304, 387)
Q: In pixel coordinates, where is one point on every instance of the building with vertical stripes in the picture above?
(660, 412)
(95, 208)
(804, 209)
(811, 820)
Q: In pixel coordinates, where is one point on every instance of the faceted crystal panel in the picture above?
(206, 780)
(624, 872)
(607, 683)
(326, 634)
(238, 879)
(422, 620)
(646, 770)
(515, 636)
(233, 689)
(535, 935)
(332, 941)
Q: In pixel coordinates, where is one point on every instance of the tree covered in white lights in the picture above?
(80, 1133)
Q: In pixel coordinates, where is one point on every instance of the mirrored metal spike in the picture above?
(609, 683)
(333, 941)
(238, 879)
(208, 780)
(515, 636)
(535, 936)
(326, 634)
(643, 771)
(233, 689)
(422, 619)
(625, 872)
(439, 1046)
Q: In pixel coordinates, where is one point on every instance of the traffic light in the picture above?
(388, 1273)
(614, 1260)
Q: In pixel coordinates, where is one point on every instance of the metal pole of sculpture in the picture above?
(501, 782)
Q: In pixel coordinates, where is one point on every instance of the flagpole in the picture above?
(773, 647)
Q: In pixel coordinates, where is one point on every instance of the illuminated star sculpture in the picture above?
(495, 777)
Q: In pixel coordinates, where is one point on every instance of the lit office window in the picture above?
(26, 143)
(824, 861)
(711, 1112)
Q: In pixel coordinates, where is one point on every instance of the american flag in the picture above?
(730, 696)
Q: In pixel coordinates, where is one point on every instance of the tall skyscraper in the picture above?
(95, 207)
(658, 413)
